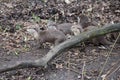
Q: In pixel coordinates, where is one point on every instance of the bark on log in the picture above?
(42, 62)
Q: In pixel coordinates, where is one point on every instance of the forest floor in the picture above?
(77, 63)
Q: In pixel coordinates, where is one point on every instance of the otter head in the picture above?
(33, 32)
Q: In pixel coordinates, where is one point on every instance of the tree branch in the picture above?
(42, 62)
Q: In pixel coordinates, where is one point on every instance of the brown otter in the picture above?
(51, 36)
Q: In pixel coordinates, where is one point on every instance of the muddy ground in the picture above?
(16, 45)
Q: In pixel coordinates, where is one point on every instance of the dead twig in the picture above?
(107, 58)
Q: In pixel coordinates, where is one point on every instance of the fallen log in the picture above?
(57, 50)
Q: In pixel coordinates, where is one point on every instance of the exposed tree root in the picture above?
(42, 62)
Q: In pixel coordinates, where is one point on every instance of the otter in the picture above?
(52, 36)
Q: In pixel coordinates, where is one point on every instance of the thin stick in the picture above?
(108, 57)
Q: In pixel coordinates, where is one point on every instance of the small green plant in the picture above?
(29, 78)
(44, 1)
(18, 27)
(16, 53)
(5, 30)
(26, 47)
(35, 18)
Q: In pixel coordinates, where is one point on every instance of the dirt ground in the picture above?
(78, 63)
